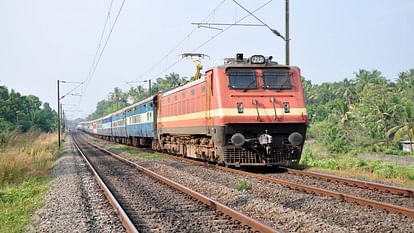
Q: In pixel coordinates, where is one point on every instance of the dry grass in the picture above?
(27, 155)
(367, 176)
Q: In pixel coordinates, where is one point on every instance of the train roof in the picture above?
(139, 102)
(133, 105)
(121, 110)
(255, 61)
(253, 66)
(97, 119)
(182, 87)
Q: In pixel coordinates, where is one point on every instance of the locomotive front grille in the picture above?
(241, 156)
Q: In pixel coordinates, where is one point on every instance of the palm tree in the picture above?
(398, 132)
(137, 94)
(405, 83)
(115, 96)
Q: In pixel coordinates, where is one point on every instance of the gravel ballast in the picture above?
(154, 206)
(75, 203)
(294, 210)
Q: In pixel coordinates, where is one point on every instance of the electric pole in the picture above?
(58, 98)
(149, 86)
(287, 37)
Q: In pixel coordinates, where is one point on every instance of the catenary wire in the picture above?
(210, 39)
(95, 65)
(105, 44)
(264, 24)
(181, 41)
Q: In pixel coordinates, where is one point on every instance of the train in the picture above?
(245, 112)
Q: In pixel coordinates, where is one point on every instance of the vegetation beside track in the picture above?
(17, 204)
(25, 164)
(365, 114)
(349, 164)
(23, 113)
(243, 186)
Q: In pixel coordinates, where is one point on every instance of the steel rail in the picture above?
(340, 196)
(354, 182)
(253, 223)
(125, 220)
(309, 189)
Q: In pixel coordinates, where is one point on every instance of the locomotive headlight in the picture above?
(286, 107)
(257, 59)
(240, 108)
(238, 139)
(295, 139)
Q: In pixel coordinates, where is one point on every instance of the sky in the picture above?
(45, 40)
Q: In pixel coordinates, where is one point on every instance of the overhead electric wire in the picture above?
(99, 46)
(181, 41)
(264, 24)
(97, 58)
(69, 92)
(212, 38)
(100, 39)
(96, 62)
(230, 26)
(106, 43)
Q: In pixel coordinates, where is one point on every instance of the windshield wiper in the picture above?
(285, 84)
(248, 86)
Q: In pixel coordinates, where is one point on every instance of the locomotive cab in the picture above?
(258, 111)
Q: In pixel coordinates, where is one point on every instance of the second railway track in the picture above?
(153, 206)
(389, 198)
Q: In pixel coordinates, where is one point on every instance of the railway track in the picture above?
(404, 204)
(148, 202)
(297, 185)
(405, 192)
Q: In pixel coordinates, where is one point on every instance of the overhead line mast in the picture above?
(287, 37)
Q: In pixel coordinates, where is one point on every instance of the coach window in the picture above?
(168, 99)
(175, 98)
(277, 79)
(242, 79)
(192, 92)
(203, 89)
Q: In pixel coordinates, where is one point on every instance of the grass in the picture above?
(17, 204)
(25, 156)
(25, 163)
(243, 186)
(375, 169)
(135, 152)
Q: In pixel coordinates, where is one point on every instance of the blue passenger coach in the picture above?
(135, 124)
(104, 125)
(140, 122)
(118, 125)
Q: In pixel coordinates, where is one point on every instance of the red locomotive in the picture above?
(245, 112)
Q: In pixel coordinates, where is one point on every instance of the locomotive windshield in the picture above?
(242, 79)
(277, 79)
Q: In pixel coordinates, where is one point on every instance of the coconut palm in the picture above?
(401, 131)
